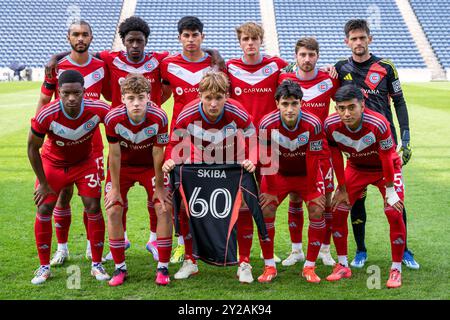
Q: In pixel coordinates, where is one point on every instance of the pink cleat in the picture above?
(162, 276)
(118, 277)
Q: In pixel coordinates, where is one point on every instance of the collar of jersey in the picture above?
(132, 62)
(296, 125)
(297, 75)
(368, 61)
(136, 123)
(206, 118)
(359, 127)
(79, 65)
(69, 117)
(253, 64)
(198, 61)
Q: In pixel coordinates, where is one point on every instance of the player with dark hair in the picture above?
(365, 137)
(293, 141)
(79, 36)
(66, 159)
(380, 83)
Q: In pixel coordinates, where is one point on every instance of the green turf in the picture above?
(427, 199)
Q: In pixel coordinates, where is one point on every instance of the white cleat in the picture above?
(275, 257)
(294, 257)
(187, 269)
(326, 257)
(59, 257)
(244, 273)
(41, 275)
(99, 272)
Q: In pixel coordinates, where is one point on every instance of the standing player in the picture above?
(94, 72)
(137, 134)
(379, 81)
(365, 137)
(183, 72)
(297, 136)
(318, 90)
(205, 125)
(253, 81)
(67, 159)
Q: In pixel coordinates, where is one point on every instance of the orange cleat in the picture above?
(268, 274)
(395, 279)
(339, 272)
(310, 275)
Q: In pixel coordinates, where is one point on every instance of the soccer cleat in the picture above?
(359, 260)
(244, 273)
(408, 260)
(268, 275)
(188, 269)
(326, 257)
(41, 275)
(310, 275)
(153, 249)
(294, 257)
(339, 272)
(109, 256)
(59, 258)
(178, 254)
(118, 277)
(275, 257)
(395, 279)
(99, 272)
(162, 276)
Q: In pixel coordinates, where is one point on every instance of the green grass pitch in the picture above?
(427, 179)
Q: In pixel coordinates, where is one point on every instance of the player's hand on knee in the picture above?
(319, 201)
(41, 192)
(340, 196)
(113, 198)
(249, 166)
(393, 200)
(168, 166)
(163, 197)
(266, 199)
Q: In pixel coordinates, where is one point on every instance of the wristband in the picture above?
(391, 196)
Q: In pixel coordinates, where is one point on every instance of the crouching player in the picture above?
(66, 159)
(137, 134)
(295, 136)
(365, 137)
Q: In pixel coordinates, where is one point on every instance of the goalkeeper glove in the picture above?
(405, 150)
(289, 68)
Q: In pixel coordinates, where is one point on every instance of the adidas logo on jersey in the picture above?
(348, 77)
(398, 189)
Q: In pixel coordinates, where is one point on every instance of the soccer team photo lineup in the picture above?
(222, 146)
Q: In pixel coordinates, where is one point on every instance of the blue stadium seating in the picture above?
(434, 16)
(325, 19)
(30, 31)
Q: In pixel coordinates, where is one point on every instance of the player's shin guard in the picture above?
(339, 229)
(244, 234)
(164, 248)
(117, 247)
(86, 224)
(316, 233)
(295, 221)
(96, 226)
(328, 222)
(43, 234)
(267, 246)
(152, 216)
(63, 218)
(397, 233)
(187, 236)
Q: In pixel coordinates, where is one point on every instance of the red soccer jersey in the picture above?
(183, 76)
(224, 141)
(94, 73)
(119, 67)
(317, 92)
(254, 85)
(69, 139)
(137, 140)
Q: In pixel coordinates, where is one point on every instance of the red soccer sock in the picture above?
(267, 246)
(164, 248)
(328, 222)
(96, 227)
(244, 234)
(295, 221)
(43, 234)
(339, 229)
(117, 247)
(152, 216)
(316, 233)
(397, 233)
(86, 224)
(187, 236)
(63, 218)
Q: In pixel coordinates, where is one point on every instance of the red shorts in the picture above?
(97, 151)
(83, 175)
(357, 181)
(327, 172)
(281, 186)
